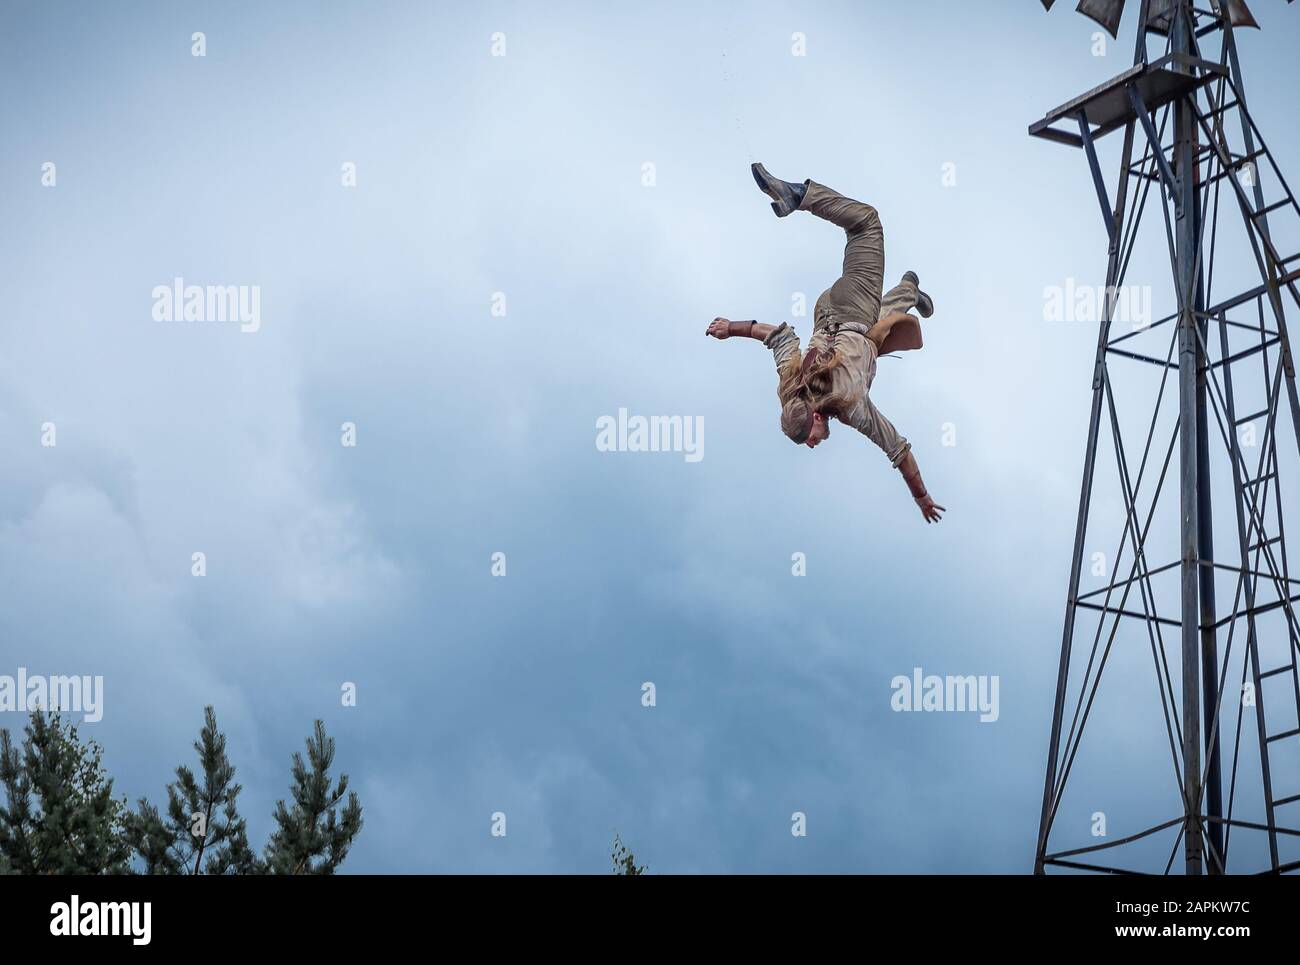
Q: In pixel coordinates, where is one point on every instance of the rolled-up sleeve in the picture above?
(783, 342)
(871, 422)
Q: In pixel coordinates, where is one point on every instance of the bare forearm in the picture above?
(750, 329)
(931, 510)
(912, 476)
(725, 328)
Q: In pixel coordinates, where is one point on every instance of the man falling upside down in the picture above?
(852, 326)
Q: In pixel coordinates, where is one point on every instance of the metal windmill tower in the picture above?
(1212, 376)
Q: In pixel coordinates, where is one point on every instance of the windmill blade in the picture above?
(1239, 14)
(1159, 16)
(1108, 13)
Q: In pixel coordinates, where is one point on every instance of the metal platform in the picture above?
(1109, 107)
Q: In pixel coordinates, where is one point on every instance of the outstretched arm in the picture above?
(721, 328)
(869, 420)
(912, 476)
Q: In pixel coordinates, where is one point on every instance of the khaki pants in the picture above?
(856, 295)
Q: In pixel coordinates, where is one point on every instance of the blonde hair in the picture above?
(806, 389)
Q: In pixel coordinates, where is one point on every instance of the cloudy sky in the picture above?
(594, 183)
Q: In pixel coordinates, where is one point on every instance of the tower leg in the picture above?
(1208, 616)
(1187, 244)
(1085, 502)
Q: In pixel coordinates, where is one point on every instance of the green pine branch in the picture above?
(624, 860)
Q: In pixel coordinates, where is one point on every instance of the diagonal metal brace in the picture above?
(1153, 138)
(1085, 133)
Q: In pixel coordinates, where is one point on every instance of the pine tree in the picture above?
(624, 861)
(60, 816)
(313, 836)
(17, 820)
(202, 817)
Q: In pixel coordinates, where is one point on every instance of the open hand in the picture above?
(719, 328)
(930, 509)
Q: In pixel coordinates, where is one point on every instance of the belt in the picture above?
(848, 326)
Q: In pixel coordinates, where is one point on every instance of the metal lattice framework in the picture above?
(1229, 694)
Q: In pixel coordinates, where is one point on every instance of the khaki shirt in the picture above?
(852, 380)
